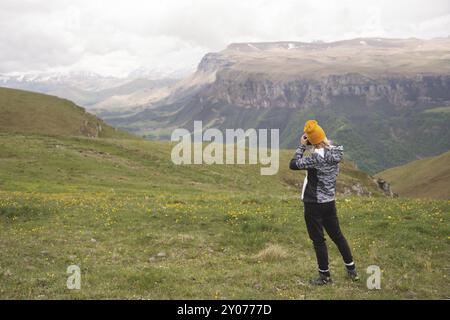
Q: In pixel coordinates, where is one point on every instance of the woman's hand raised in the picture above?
(304, 139)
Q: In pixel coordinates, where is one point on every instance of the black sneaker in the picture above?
(353, 275)
(321, 280)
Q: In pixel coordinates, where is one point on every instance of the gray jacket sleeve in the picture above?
(299, 162)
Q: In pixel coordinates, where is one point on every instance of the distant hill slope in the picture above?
(29, 112)
(425, 178)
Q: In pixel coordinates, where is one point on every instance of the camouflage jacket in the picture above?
(322, 169)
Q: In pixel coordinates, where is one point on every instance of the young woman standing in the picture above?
(318, 195)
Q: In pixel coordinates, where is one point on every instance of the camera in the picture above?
(307, 141)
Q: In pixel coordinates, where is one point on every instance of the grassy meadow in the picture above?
(141, 227)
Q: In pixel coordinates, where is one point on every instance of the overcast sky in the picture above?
(114, 37)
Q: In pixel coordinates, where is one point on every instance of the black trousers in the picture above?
(319, 216)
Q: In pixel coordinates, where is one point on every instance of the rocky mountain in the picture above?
(375, 96)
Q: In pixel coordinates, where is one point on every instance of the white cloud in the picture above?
(114, 37)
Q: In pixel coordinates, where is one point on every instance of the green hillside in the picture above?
(141, 227)
(425, 178)
(29, 112)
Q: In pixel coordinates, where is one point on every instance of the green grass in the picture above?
(110, 206)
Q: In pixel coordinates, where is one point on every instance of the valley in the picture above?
(375, 101)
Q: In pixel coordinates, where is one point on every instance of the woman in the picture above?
(318, 195)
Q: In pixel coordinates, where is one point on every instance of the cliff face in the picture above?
(405, 73)
(260, 92)
(212, 62)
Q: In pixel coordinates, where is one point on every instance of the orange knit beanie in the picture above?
(314, 132)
